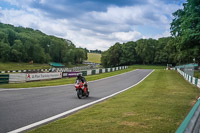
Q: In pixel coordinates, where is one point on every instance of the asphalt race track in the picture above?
(22, 107)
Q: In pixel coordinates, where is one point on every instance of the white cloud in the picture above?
(95, 30)
(119, 15)
(18, 17)
(126, 36)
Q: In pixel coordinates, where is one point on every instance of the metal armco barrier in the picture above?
(27, 77)
(84, 73)
(189, 78)
(17, 78)
(4, 78)
(100, 70)
(93, 72)
(191, 123)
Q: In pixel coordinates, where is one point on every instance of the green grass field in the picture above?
(26, 66)
(21, 66)
(92, 57)
(157, 105)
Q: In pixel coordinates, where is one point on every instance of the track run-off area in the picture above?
(23, 109)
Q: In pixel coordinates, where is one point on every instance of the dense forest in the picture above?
(182, 47)
(18, 44)
(143, 51)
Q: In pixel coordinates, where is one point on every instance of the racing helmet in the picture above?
(79, 76)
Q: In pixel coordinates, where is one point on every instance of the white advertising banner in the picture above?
(43, 76)
(17, 78)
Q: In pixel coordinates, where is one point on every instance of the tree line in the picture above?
(19, 44)
(95, 51)
(182, 47)
(143, 51)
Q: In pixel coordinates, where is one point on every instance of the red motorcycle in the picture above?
(80, 89)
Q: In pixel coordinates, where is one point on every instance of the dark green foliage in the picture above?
(79, 55)
(143, 51)
(95, 51)
(112, 56)
(129, 55)
(18, 44)
(185, 27)
(5, 51)
(86, 51)
(105, 61)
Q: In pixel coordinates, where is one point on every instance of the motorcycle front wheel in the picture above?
(80, 93)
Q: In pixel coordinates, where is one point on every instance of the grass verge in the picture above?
(21, 66)
(8, 66)
(158, 104)
(93, 57)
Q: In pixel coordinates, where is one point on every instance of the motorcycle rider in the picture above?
(83, 80)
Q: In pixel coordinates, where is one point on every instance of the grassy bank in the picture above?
(21, 66)
(157, 105)
(93, 57)
(26, 66)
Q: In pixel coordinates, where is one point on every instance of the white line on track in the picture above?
(72, 110)
(61, 85)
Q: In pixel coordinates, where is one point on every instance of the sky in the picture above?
(93, 24)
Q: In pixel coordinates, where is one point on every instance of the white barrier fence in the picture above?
(17, 78)
(25, 77)
(192, 80)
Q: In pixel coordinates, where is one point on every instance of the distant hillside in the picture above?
(19, 44)
(93, 57)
